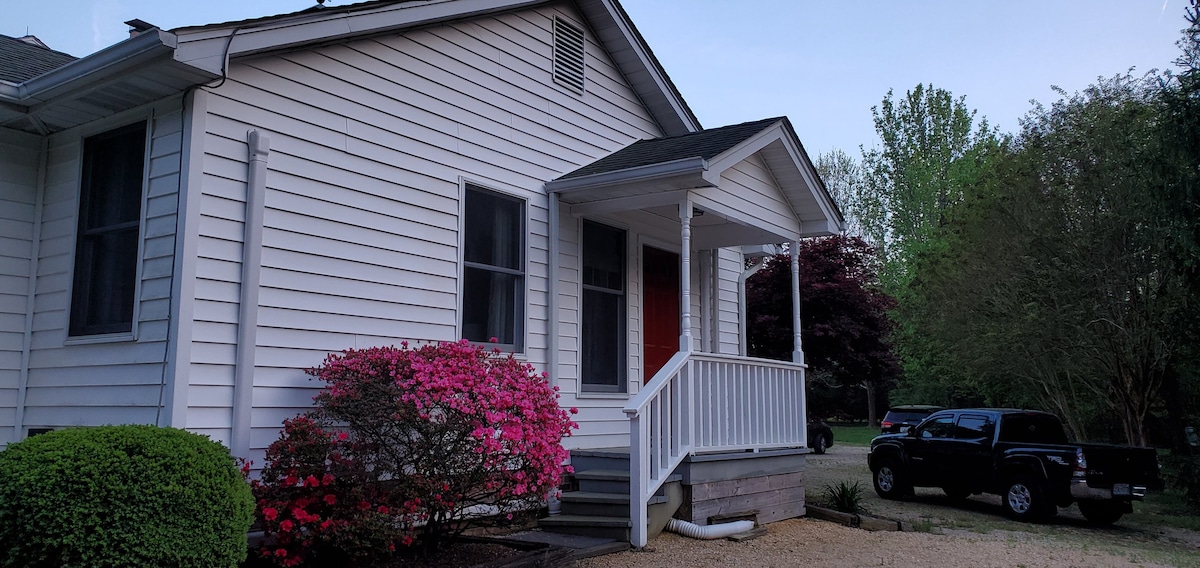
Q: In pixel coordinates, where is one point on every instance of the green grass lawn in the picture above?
(853, 433)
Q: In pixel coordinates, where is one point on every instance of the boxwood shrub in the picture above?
(122, 496)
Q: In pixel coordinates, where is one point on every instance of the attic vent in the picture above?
(568, 55)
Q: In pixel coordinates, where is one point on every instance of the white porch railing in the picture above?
(707, 402)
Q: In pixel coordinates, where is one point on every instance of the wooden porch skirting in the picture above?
(769, 485)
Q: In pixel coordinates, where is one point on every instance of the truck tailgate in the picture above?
(1108, 465)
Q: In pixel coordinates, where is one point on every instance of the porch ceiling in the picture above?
(729, 208)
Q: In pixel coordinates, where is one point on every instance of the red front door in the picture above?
(660, 309)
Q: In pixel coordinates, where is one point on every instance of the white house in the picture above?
(190, 218)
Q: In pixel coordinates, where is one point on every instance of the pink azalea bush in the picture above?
(410, 447)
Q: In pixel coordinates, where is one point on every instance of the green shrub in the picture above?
(122, 496)
(845, 497)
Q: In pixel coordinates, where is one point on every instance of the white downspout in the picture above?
(243, 387)
(743, 326)
(31, 290)
(552, 323)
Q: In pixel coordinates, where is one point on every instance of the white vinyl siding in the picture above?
(729, 270)
(751, 191)
(369, 143)
(75, 383)
(18, 203)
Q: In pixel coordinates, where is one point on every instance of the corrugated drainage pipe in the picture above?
(708, 532)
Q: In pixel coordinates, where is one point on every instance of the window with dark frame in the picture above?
(602, 330)
(493, 269)
(106, 245)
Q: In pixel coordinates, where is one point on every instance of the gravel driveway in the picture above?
(971, 534)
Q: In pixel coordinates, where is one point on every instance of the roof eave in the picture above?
(690, 167)
(101, 65)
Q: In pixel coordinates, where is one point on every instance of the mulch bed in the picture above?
(469, 553)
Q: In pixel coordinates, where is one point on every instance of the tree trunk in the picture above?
(872, 407)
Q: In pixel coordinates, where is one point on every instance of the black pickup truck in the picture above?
(1021, 455)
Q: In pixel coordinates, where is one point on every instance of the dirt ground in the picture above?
(974, 533)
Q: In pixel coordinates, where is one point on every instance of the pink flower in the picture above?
(382, 509)
(270, 514)
(330, 499)
(286, 525)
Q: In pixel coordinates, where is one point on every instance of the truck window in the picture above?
(1032, 429)
(938, 427)
(974, 427)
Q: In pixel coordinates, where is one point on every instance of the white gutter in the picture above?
(243, 387)
(682, 166)
(87, 72)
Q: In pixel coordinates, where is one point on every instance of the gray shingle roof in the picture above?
(20, 61)
(705, 144)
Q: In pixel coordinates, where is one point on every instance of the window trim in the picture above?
(623, 383)
(146, 118)
(521, 335)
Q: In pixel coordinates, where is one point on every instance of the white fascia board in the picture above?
(657, 73)
(674, 168)
(779, 132)
(205, 47)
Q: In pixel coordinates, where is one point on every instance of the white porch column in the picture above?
(685, 276)
(797, 351)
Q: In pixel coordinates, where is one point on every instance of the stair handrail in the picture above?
(643, 483)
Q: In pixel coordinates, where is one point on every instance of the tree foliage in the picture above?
(844, 322)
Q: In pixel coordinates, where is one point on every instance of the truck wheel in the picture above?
(1101, 512)
(1025, 500)
(820, 445)
(889, 481)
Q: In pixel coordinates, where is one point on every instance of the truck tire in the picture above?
(820, 445)
(889, 481)
(1024, 499)
(1101, 512)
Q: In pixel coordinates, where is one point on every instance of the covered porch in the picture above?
(721, 189)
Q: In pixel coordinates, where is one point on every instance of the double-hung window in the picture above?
(106, 244)
(603, 322)
(493, 268)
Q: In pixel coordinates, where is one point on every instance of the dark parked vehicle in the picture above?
(1021, 455)
(820, 436)
(901, 418)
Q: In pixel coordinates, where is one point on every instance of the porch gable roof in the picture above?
(664, 171)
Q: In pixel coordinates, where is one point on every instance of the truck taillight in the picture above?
(885, 424)
(1080, 464)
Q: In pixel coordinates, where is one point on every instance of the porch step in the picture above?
(600, 507)
(600, 504)
(616, 528)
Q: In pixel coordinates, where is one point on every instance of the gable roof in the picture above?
(703, 144)
(21, 61)
(191, 56)
(665, 171)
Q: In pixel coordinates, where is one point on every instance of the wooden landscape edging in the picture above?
(853, 520)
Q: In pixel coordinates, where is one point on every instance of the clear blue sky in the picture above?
(822, 63)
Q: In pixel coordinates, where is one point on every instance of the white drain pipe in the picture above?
(708, 532)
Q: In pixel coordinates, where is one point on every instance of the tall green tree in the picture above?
(931, 147)
(1058, 285)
